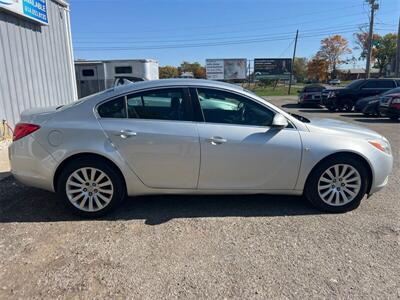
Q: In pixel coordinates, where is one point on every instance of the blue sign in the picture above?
(33, 9)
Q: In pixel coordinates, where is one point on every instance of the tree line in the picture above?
(322, 66)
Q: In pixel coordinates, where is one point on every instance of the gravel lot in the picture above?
(204, 247)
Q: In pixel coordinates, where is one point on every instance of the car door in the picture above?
(154, 132)
(239, 148)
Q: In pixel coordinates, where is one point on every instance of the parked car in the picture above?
(389, 106)
(372, 109)
(159, 137)
(344, 99)
(310, 95)
(370, 105)
(334, 81)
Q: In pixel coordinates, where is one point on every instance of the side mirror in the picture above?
(279, 121)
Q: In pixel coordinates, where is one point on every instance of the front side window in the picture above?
(164, 104)
(224, 107)
(113, 109)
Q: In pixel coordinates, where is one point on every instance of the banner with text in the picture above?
(32, 9)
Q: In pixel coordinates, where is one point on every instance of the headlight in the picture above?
(382, 145)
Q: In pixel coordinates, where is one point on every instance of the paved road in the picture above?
(204, 247)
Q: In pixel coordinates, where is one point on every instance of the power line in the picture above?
(249, 41)
(126, 40)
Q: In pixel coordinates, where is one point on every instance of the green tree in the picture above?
(168, 72)
(385, 51)
(300, 68)
(196, 68)
(361, 40)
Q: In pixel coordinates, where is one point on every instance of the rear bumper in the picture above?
(31, 164)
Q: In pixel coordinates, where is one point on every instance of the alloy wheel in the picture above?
(339, 184)
(89, 189)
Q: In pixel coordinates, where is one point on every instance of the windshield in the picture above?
(77, 102)
(354, 84)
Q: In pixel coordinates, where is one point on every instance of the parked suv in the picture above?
(345, 98)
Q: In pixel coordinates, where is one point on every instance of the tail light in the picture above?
(23, 129)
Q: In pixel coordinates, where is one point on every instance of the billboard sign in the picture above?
(226, 69)
(272, 68)
(35, 10)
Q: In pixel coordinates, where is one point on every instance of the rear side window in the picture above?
(113, 109)
(164, 104)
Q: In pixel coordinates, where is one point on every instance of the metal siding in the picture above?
(35, 63)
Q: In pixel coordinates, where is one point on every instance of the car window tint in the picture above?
(223, 107)
(386, 84)
(379, 84)
(166, 104)
(113, 109)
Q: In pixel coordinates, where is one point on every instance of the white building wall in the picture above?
(36, 62)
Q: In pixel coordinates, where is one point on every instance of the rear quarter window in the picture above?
(113, 109)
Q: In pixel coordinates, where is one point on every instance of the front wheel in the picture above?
(91, 187)
(337, 184)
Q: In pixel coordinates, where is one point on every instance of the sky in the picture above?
(172, 31)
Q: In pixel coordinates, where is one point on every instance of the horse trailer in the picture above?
(96, 76)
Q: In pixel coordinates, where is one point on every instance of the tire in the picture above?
(102, 194)
(316, 185)
(331, 108)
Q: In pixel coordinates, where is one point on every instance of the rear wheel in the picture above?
(91, 187)
(337, 184)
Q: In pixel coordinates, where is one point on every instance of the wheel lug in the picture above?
(340, 179)
(338, 188)
(94, 184)
(90, 194)
(334, 180)
(87, 183)
(85, 190)
(342, 184)
(333, 186)
(95, 191)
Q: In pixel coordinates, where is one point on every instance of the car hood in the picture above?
(340, 128)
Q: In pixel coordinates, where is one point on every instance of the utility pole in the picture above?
(374, 6)
(294, 56)
(397, 67)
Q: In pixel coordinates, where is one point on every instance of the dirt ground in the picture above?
(263, 247)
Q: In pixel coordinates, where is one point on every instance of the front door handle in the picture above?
(126, 133)
(216, 140)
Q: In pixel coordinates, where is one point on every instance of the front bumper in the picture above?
(389, 111)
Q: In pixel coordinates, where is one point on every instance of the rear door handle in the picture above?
(126, 133)
(216, 140)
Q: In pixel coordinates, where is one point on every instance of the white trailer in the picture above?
(95, 76)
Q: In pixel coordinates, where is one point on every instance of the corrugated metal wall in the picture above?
(36, 62)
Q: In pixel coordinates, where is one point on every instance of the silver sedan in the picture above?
(193, 137)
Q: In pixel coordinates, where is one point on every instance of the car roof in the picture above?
(141, 85)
